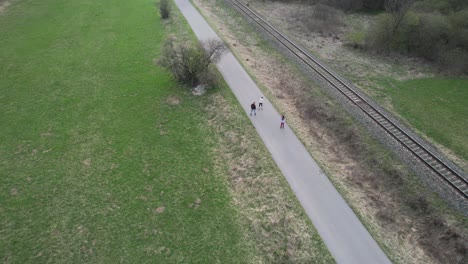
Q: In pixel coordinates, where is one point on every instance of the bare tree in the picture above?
(213, 50)
(398, 10)
(190, 63)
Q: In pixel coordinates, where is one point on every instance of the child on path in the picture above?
(260, 103)
(253, 108)
(282, 122)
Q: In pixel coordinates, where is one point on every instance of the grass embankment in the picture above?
(96, 164)
(104, 158)
(437, 106)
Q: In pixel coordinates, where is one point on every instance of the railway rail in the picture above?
(439, 167)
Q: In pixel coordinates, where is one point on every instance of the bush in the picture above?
(420, 205)
(190, 63)
(356, 39)
(459, 38)
(442, 6)
(445, 243)
(454, 61)
(356, 5)
(430, 35)
(458, 19)
(164, 9)
(321, 18)
(379, 35)
(438, 37)
(326, 14)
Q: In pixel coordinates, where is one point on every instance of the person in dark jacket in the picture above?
(253, 109)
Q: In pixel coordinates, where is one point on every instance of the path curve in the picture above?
(346, 238)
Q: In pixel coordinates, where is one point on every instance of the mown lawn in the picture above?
(438, 107)
(102, 157)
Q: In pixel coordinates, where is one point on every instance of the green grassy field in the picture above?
(96, 165)
(436, 106)
(104, 158)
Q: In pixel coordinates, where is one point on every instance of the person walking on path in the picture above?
(260, 103)
(253, 109)
(282, 122)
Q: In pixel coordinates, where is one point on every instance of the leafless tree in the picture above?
(397, 9)
(214, 49)
(190, 63)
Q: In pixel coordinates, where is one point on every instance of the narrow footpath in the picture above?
(343, 233)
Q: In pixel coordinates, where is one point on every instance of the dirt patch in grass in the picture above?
(378, 187)
(173, 100)
(86, 162)
(14, 191)
(3, 5)
(159, 210)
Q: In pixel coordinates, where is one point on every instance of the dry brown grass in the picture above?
(4, 4)
(173, 100)
(319, 18)
(268, 210)
(375, 184)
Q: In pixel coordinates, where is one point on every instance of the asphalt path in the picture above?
(345, 236)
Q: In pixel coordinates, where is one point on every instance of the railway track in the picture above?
(440, 168)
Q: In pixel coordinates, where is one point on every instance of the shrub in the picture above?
(442, 38)
(420, 205)
(190, 63)
(459, 35)
(442, 6)
(430, 35)
(164, 9)
(326, 13)
(356, 39)
(458, 19)
(356, 5)
(321, 18)
(454, 60)
(379, 35)
(459, 38)
(445, 243)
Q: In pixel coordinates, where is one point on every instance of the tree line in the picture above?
(436, 30)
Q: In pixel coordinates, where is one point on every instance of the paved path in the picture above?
(340, 229)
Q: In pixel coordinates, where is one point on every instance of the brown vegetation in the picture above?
(436, 30)
(269, 211)
(3, 5)
(381, 189)
(346, 5)
(322, 19)
(164, 9)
